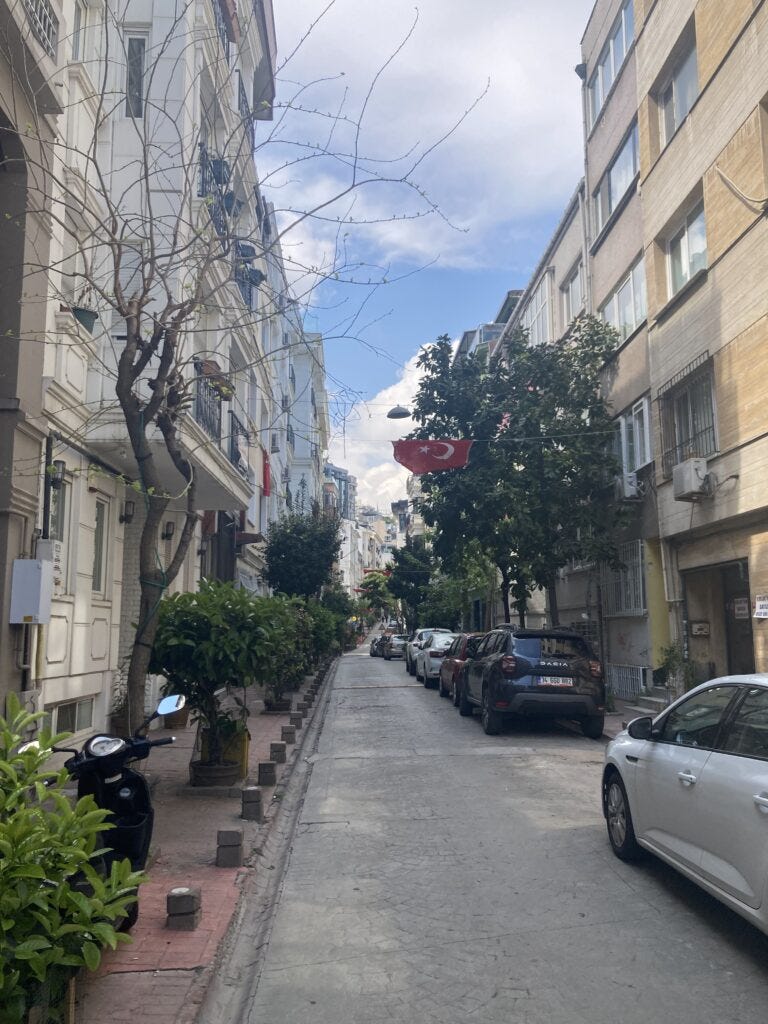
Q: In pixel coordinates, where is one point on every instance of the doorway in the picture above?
(738, 619)
(719, 614)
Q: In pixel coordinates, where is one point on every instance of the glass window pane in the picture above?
(618, 47)
(78, 22)
(134, 91)
(677, 271)
(84, 716)
(695, 723)
(606, 73)
(595, 97)
(686, 87)
(748, 735)
(629, 23)
(697, 243)
(98, 546)
(638, 425)
(66, 717)
(639, 292)
(625, 309)
(58, 522)
(622, 172)
(668, 114)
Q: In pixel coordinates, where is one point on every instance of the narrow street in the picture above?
(437, 874)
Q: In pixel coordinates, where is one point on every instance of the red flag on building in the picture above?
(432, 456)
(266, 485)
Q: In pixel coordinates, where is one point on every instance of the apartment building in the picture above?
(309, 420)
(186, 90)
(702, 87)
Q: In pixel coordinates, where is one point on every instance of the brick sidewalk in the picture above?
(162, 974)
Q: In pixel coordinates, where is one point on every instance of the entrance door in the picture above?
(738, 618)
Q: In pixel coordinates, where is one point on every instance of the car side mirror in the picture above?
(641, 728)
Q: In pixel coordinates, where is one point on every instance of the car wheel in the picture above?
(440, 688)
(419, 676)
(491, 720)
(465, 708)
(386, 657)
(621, 832)
(593, 726)
(454, 693)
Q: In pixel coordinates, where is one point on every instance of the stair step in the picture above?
(648, 703)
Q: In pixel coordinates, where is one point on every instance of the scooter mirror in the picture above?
(170, 704)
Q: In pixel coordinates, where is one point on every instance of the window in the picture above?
(617, 180)
(136, 48)
(687, 250)
(611, 60)
(99, 543)
(696, 722)
(74, 716)
(78, 30)
(59, 523)
(623, 590)
(625, 308)
(688, 418)
(535, 319)
(679, 96)
(748, 733)
(573, 295)
(632, 438)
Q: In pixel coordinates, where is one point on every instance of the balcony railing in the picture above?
(221, 27)
(214, 173)
(238, 444)
(243, 282)
(245, 112)
(44, 24)
(207, 408)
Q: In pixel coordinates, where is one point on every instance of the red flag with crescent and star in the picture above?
(432, 456)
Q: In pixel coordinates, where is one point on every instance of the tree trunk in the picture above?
(554, 613)
(505, 586)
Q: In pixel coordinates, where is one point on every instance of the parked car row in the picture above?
(388, 646)
(511, 671)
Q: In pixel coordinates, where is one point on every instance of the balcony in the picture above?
(291, 437)
(44, 25)
(238, 444)
(207, 408)
(214, 173)
(245, 112)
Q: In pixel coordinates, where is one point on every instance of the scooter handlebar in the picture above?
(163, 742)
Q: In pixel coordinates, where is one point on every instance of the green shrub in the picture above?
(56, 913)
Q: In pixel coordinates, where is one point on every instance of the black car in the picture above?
(543, 673)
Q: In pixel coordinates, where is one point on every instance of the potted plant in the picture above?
(209, 645)
(84, 312)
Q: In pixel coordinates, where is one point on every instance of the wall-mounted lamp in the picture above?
(57, 476)
(203, 546)
(129, 508)
(581, 71)
(169, 530)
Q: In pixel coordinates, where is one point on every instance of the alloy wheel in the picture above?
(617, 814)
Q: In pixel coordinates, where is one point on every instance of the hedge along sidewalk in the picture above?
(166, 972)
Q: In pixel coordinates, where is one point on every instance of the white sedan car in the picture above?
(691, 786)
(430, 657)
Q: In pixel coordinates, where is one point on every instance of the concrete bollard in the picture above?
(296, 719)
(184, 907)
(229, 850)
(252, 807)
(277, 753)
(288, 734)
(267, 773)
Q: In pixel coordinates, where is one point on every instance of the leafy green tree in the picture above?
(49, 927)
(301, 552)
(412, 566)
(376, 593)
(535, 492)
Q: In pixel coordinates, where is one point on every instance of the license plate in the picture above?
(554, 681)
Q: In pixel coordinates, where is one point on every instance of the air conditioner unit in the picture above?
(690, 480)
(626, 487)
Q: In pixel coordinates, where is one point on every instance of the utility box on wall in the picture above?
(31, 592)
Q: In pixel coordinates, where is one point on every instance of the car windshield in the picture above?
(442, 640)
(554, 646)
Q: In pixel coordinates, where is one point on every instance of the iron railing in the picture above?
(625, 681)
(238, 443)
(623, 589)
(244, 283)
(221, 27)
(213, 173)
(44, 24)
(207, 408)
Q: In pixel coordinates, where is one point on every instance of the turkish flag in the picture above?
(432, 456)
(266, 479)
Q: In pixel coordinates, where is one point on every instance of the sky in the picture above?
(465, 123)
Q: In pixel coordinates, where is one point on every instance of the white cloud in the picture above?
(364, 446)
(515, 157)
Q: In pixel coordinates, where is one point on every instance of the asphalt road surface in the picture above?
(439, 875)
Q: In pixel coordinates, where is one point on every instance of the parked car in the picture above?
(414, 644)
(453, 662)
(551, 673)
(430, 657)
(691, 786)
(394, 646)
(376, 650)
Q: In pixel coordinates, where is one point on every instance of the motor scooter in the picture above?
(102, 771)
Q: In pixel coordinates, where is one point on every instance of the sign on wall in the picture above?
(761, 606)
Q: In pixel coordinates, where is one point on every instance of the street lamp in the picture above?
(399, 413)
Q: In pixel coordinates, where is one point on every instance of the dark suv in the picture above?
(535, 672)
